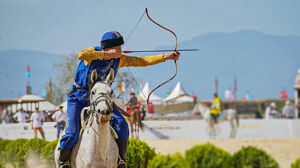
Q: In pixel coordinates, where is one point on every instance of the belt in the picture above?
(76, 87)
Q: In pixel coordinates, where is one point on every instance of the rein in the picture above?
(102, 98)
(93, 113)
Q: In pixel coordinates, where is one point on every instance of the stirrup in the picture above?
(65, 165)
(122, 162)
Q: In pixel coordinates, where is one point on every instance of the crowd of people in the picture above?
(37, 119)
(288, 111)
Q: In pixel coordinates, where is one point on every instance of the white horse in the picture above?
(228, 114)
(96, 146)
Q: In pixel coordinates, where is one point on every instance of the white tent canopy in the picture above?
(185, 98)
(42, 104)
(31, 97)
(178, 95)
(143, 95)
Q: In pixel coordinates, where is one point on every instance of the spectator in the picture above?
(143, 112)
(21, 116)
(271, 111)
(4, 117)
(48, 116)
(288, 110)
(60, 117)
(37, 120)
(257, 114)
(298, 109)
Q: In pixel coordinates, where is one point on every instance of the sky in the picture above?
(66, 26)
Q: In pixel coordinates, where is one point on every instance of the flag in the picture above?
(27, 75)
(168, 92)
(44, 93)
(283, 94)
(28, 90)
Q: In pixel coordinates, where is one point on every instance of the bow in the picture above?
(175, 49)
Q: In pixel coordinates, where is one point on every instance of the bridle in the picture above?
(91, 110)
(102, 97)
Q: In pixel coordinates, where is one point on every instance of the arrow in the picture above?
(126, 52)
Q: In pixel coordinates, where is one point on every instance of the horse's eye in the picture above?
(93, 92)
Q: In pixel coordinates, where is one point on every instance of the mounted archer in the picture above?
(102, 59)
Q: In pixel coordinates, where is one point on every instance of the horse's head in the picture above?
(100, 96)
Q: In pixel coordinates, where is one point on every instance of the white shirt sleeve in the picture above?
(65, 117)
(54, 115)
(42, 115)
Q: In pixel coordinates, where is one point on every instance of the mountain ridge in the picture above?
(262, 63)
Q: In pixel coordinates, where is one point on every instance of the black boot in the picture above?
(122, 145)
(64, 158)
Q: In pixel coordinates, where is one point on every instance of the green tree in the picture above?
(253, 157)
(47, 153)
(126, 77)
(208, 156)
(31, 146)
(66, 69)
(296, 164)
(49, 91)
(139, 153)
(168, 161)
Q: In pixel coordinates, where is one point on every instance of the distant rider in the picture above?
(216, 108)
(132, 102)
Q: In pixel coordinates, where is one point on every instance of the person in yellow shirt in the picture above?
(216, 108)
(101, 59)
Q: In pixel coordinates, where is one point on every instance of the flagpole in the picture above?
(216, 84)
(235, 88)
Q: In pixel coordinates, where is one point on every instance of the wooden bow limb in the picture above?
(175, 49)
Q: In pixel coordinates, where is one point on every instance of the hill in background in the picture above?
(262, 64)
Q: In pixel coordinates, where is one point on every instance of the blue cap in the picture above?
(111, 39)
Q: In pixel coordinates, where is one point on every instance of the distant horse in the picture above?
(135, 122)
(96, 146)
(228, 114)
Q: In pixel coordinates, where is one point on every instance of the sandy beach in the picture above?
(284, 150)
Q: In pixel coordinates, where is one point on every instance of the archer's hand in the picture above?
(110, 53)
(172, 56)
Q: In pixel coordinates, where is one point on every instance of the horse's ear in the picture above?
(110, 77)
(94, 76)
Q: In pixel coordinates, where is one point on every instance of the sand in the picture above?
(284, 150)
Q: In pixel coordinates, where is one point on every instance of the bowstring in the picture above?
(135, 26)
